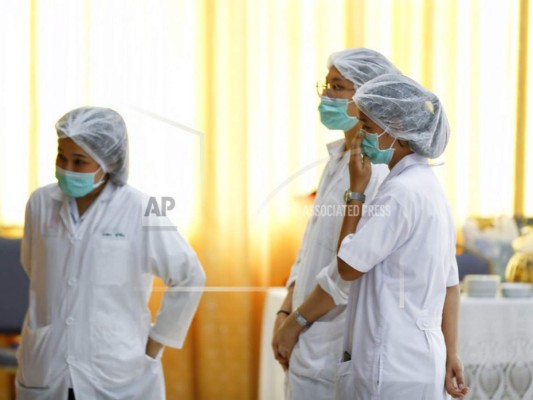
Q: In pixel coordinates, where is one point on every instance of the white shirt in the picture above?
(88, 319)
(393, 328)
(320, 345)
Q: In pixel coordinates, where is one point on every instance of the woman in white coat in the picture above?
(401, 332)
(91, 249)
(314, 352)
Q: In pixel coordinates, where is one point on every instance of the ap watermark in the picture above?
(160, 213)
(155, 213)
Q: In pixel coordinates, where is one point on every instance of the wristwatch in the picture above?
(300, 320)
(349, 195)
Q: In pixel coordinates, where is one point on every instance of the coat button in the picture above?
(72, 282)
(70, 359)
(69, 321)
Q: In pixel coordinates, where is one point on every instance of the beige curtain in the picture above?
(220, 102)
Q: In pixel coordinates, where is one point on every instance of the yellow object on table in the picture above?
(520, 266)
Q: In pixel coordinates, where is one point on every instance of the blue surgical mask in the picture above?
(370, 148)
(77, 184)
(333, 114)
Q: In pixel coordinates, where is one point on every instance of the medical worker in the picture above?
(91, 254)
(311, 368)
(402, 318)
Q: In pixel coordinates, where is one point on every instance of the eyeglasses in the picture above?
(333, 90)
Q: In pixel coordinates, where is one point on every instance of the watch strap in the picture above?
(358, 196)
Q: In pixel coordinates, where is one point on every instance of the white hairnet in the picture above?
(407, 111)
(361, 65)
(101, 133)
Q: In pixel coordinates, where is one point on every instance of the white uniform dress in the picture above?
(313, 360)
(394, 315)
(88, 322)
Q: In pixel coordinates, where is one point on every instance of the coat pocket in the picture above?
(34, 358)
(113, 264)
(318, 350)
(154, 364)
(30, 393)
(344, 382)
(117, 350)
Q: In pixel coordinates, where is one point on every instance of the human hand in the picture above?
(153, 348)
(455, 384)
(360, 167)
(286, 338)
(280, 318)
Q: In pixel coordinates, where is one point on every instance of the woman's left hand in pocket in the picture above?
(153, 348)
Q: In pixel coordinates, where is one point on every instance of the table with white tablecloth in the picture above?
(497, 347)
(496, 341)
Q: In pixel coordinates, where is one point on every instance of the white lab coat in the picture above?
(312, 363)
(88, 321)
(393, 327)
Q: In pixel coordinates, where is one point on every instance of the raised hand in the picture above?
(360, 167)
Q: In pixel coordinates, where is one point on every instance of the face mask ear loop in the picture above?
(385, 132)
(101, 181)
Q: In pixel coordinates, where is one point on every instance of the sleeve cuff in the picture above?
(164, 340)
(331, 282)
(346, 255)
(452, 282)
(294, 273)
(290, 281)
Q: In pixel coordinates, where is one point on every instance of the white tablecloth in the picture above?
(496, 340)
(497, 347)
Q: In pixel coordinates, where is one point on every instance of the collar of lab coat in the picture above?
(105, 195)
(405, 163)
(64, 213)
(337, 148)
